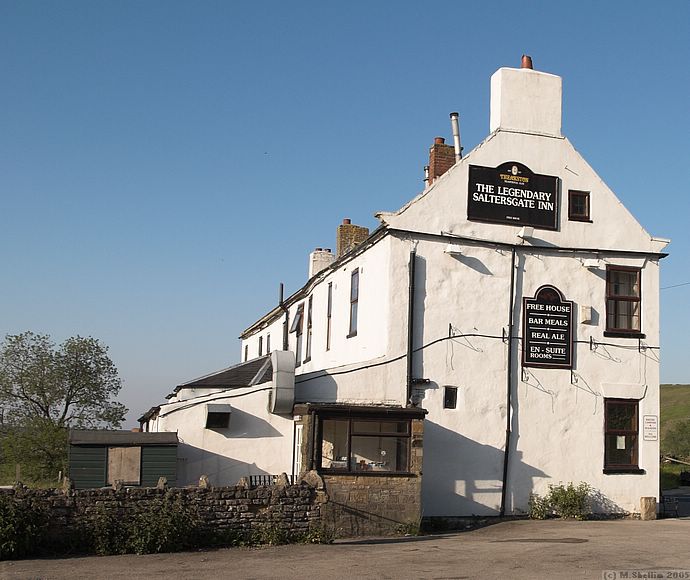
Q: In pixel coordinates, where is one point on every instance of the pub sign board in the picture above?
(512, 194)
(547, 329)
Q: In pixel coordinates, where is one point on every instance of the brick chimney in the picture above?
(441, 158)
(348, 236)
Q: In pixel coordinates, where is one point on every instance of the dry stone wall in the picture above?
(291, 509)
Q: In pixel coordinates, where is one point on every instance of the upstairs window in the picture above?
(354, 299)
(623, 300)
(578, 206)
(246, 352)
(268, 344)
(261, 345)
(307, 355)
(621, 432)
(297, 329)
(329, 311)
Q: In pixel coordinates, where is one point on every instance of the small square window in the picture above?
(450, 397)
(217, 420)
(578, 206)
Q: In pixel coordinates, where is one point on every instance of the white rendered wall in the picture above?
(370, 344)
(255, 443)
(557, 417)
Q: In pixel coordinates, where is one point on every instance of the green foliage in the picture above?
(269, 534)
(164, 525)
(22, 527)
(168, 525)
(539, 508)
(676, 442)
(409, 529)
(565, 501)
(318, 535)
(46, 389)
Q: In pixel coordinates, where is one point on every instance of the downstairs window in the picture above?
(621, 436)
(365, 445)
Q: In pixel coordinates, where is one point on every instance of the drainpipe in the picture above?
(410, 326)
(286, 324)
(506, 453)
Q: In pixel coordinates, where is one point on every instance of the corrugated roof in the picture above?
(104, 437)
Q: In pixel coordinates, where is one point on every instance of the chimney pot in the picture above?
(439, 140)
(327, 250)
(526, 62)
(347, 221)
(318, 249)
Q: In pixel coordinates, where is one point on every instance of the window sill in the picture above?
(623, 470)
(580, 219)
(352, 334)
(621, 334)
(306, 360)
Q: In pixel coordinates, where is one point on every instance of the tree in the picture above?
(46, 389)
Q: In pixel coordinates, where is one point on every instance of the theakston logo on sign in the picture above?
(547, 330)
(512, 194)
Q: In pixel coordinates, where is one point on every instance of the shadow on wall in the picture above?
(247, 426)
(316, 388)
(467, 476)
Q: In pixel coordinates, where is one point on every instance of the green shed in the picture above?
(98, 458)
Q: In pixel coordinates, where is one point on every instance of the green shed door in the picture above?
(158, 461)
(87, 466)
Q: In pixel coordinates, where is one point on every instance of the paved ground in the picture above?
(518, 549)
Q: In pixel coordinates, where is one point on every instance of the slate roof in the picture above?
(244, 374)
(104, 437)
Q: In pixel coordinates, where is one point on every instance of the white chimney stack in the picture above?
(523, 99)
(319, 259)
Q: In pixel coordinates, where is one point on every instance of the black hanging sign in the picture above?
(547, 330)
(512, 194)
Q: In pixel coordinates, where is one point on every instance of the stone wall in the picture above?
(292, 509)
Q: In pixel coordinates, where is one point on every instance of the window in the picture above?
(362, 444)
(217, 420)
(261, 345)
(354, 299)
(297, 329)
(307, 356)
(450, 397)
(218, 415)
(578, 206)
(620, 438)
(268, 344)
(623, 300)
(246, 352)
(329, 310)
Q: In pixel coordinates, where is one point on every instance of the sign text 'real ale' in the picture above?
(547, 330)
(512, 194)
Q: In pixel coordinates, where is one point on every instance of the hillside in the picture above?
(675, 405)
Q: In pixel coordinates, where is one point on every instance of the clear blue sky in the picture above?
(164, 164)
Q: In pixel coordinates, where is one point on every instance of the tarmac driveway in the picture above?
(515, 549)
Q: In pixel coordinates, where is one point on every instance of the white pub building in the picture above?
(498, 333)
